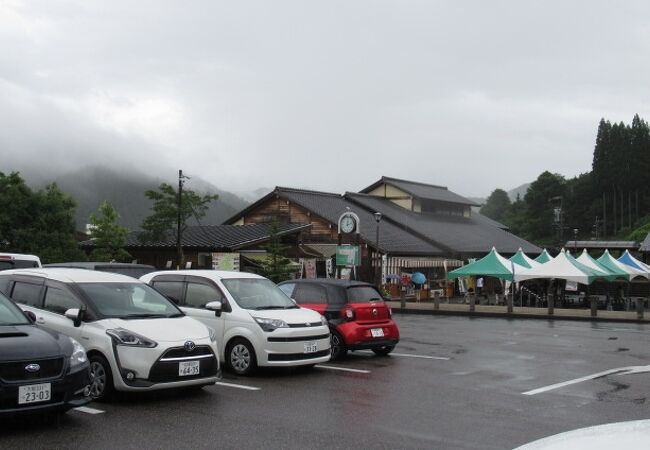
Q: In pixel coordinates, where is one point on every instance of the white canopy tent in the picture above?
(562, 267)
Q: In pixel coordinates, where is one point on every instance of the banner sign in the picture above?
(348, 255)
(225, 261)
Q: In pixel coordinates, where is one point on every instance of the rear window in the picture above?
(17, 264)
(363, 294)
(27, 293)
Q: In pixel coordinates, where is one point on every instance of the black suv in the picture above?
(40, 370)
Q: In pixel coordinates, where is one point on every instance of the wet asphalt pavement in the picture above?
(453, 383)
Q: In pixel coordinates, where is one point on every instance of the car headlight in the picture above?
(78, 356)
(213, 334)
(126, 337)
(324, 321)
(270, 324)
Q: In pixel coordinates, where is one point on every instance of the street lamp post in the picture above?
(575, 241)
(377, 264)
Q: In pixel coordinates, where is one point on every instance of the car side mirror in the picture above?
(215, 306)
(76, 315)
(30, 315)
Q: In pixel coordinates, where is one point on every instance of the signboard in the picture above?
(225, 261)
(348, 255)
(309, 267)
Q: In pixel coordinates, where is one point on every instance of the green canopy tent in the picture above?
(523, 260)
(491, 265)
(543, 257)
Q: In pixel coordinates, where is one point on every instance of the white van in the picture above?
(18, 261)
(255, 322)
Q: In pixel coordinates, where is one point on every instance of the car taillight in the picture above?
(349, 314)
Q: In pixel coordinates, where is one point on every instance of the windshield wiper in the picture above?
(268, 307)
(143, 316)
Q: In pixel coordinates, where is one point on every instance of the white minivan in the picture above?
(135, 338)
(255, 322)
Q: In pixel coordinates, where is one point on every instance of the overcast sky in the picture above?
(326, 95)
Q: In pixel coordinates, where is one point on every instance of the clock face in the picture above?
(347, 224)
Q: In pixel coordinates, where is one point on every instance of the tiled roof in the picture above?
(213, 237)
(645, 245)
(459, 234)
(392, 237)
(422, 190)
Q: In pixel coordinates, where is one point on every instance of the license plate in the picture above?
(34, 393)
(188, 368)
(311, 347)
(377, 332)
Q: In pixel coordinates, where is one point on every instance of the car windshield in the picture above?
(363, 294)
(128, 301)
(10, 314)
(257, 293)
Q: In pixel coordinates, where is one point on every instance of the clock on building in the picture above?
(348, 224)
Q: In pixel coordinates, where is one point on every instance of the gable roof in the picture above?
(459, 234)
(645, 245)
(392, 237)
(213, 237)
(422, 190)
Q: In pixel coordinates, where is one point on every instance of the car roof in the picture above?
(212, 274)
(23, 256)
(68, 275)
(330, 282)
(92, 265)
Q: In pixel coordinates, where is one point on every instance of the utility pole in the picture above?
(179, 233)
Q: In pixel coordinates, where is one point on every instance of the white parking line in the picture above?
(409, 355)
(620, 371)
(85, 409)
(238, 386)
(342, 369)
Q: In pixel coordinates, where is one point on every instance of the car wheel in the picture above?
(338, 346)
(241, 357)
(101, 380)
(383, 350)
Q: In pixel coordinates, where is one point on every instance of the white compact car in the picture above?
(255, 322)
(135, 338)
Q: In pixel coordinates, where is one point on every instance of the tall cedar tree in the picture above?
(276, 266)
(497, 205)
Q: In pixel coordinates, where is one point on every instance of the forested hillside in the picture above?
(612, 200)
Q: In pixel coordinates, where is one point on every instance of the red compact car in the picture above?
(357, 314)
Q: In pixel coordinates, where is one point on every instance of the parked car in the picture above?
(356, 312)
(130, 269)
(136, 339)
(256, 324)
(18, 261)
(40, 370)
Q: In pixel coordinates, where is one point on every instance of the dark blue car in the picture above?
(40, 370)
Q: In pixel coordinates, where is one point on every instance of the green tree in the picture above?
(109, 238)
(543, 196)
(164, 216)
(39, 222)
(276, 266)
(497, 205)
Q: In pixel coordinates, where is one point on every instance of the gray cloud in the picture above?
(326, 95)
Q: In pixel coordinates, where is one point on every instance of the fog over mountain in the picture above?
(124, 189)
